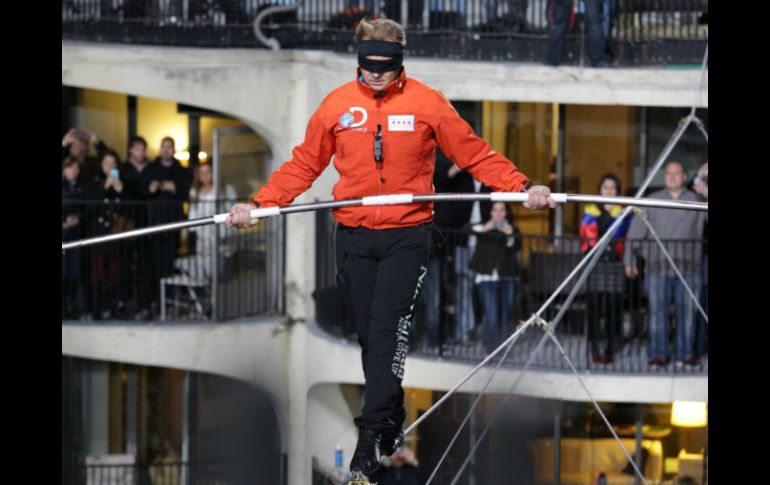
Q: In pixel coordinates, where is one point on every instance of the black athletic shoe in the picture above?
(391, 440)
(366, 458)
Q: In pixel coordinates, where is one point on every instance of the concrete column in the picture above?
(299, 461)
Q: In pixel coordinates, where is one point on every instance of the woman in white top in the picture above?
(203, 204)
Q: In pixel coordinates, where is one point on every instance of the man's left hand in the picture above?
(539, 198)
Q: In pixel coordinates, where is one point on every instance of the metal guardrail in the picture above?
(610, 310)
(638, 32)
(205, 273)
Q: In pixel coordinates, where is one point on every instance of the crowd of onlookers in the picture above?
(483, 264)
(102, 194)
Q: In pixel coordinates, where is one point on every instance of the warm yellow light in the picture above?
(185, 156)
(159, 118)
(689, 414)
(671, 465)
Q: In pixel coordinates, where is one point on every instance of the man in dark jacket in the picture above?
(166, 184)
(134, 175)
(73, 272)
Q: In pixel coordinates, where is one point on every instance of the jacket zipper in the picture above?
(378, 163)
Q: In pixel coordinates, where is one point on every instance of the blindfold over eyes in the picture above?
(394, 50)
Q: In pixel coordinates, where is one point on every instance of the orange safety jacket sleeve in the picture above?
(458, 142)
(308, 161)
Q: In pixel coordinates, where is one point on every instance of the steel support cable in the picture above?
(594, 256)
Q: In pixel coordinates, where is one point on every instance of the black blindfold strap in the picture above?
(380, 48)
(394, 50)
(380, 66)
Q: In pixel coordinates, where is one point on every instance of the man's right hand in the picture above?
(631, 271)
(539, 198)
(240, 216)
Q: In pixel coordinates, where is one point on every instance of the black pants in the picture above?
(156, 260)
(559, 12)
(609, 305)
(381, 272)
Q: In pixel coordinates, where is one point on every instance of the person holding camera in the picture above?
(496, 267)
(106, 191)
(74, 145)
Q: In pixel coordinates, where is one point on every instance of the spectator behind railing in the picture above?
(75, 145)
(496, 267)
(169, 183)
(134, 175)
(701, 186)
(105, 190)
(561, 18)
(203, 204)
(445, 216)
(73, 293)
(446, 14)
(505, 15)
(167, 186)
(135, 179)
(545, 269)
(606, 283)
(465, 215)
(663, 286)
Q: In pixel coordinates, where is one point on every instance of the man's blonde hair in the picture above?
(380, 29)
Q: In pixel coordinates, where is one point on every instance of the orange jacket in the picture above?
(413, 118)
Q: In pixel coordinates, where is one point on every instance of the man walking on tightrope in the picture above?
(382, 129)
